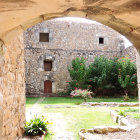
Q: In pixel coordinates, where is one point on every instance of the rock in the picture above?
(113, 129)
(83, 130)
(112, 104)
(81, 135)
(90, 130)
(114, 115)
(100, 129)
(123, 122)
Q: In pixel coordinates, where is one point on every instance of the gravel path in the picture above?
(59, 126)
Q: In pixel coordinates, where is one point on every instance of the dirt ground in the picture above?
(132, 135)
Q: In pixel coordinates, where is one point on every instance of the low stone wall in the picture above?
(110, 104)
(124, 126)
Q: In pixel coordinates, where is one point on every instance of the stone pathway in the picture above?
(59, 126)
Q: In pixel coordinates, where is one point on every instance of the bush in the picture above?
(85, 94)
(72, 85)
(125, 98)
(78, 73)
(36, 126)
(103, 74)
(122, 113)
(127, 76)
(63, 94)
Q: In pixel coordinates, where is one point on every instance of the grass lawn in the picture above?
(73, 101)
(83, 117)
(79, 117)
(31, 101)
(133, 112)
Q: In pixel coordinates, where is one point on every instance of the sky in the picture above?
(84, 20)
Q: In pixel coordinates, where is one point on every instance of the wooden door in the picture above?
(47, 86)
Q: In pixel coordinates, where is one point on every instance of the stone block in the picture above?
(8, 129)
(114, 115)
(123, 122)
(7, 114)
(100, 129)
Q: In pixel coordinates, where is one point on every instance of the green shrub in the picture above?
(78, 73)
(72, 85)
(122, 113)
(103, 73)
(127, 76)
(63, 93)
(85, 94)
(36, 126)
(125, 98)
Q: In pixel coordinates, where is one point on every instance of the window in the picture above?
(44, 37)
(101, 40)
(47, 65)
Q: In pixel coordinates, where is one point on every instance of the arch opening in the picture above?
(70, 37)
(12, 33)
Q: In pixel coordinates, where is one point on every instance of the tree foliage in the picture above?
(103, 74)
(79, 72)
(127, 74)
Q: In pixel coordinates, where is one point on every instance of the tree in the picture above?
(127, 76)
(103, 73)
(79, 72)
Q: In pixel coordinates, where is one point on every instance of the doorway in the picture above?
(47, 86)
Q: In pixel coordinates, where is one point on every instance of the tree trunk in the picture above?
(85, 99)
(126, 97)
(126, 92)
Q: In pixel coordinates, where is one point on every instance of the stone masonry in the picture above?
(130, 52)
(67, 40)
(12, 89)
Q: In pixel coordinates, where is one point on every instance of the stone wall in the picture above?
(67, 40)
(12, 87)
(130, 52)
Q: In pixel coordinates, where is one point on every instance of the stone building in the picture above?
(51, 45)
(130, 52)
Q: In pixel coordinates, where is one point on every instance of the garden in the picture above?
(105, 80)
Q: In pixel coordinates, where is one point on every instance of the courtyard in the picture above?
(67, 116)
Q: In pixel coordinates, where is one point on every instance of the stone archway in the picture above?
(121, 15)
